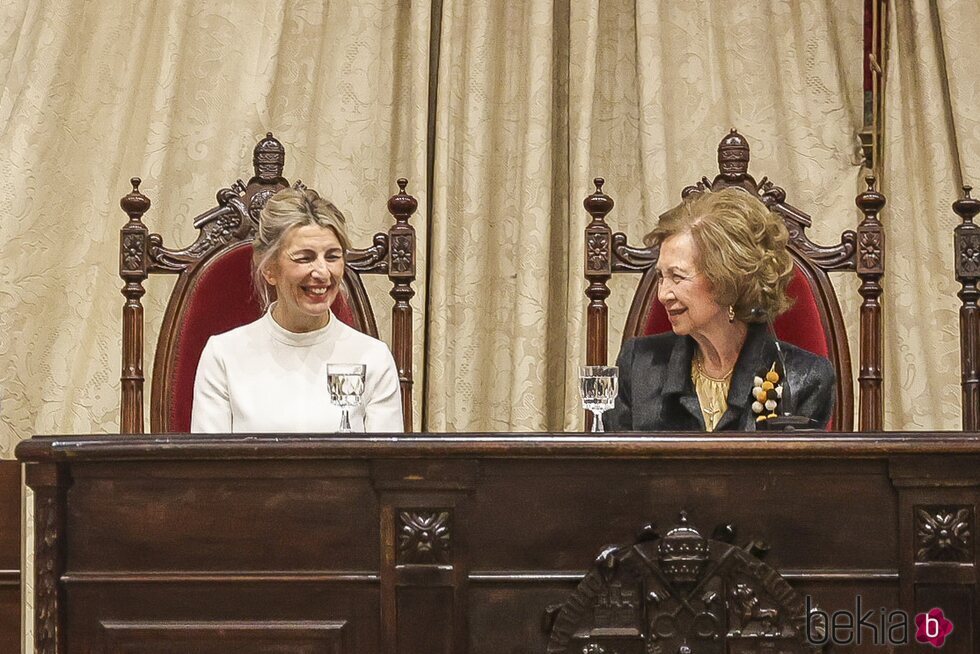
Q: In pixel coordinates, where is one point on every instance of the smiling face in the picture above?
(306, 274)
(684, 291)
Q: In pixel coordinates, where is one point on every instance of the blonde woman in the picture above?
(270, 375)
(723, 272)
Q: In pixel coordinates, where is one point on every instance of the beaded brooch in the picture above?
(766, 392)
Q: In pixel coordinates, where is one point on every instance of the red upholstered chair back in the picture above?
(214, 293)
(220, 298)
(814, 322)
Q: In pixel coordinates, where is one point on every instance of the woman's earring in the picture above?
(731, 313)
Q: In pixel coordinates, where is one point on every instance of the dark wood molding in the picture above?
(257, 447)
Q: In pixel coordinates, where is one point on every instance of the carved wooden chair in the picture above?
(214, 291)
(966, 248)
(814, 323)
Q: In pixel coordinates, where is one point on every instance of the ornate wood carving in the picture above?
(598, 269)
(682, 592)
(401, 272)
(966, 245)
(870, 269)
(45, 557)
(943, 533)
(49, 520)
(133, 266)
(424, 537)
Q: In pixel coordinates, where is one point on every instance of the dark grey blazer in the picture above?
(656, 392)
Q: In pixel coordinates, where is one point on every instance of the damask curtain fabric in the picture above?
(932, 134)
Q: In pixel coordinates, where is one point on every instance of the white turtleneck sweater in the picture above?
(261, 378)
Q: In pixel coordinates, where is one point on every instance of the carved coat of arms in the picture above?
(682, 593)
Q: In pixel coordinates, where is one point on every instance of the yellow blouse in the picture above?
(712, 394)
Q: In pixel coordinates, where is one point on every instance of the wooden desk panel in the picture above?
(460, 544)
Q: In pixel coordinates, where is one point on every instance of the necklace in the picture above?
(712, 393)
(698, 361)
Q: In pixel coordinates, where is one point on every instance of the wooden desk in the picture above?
(460, 543)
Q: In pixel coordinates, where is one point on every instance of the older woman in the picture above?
(270, 375)
(723, 272)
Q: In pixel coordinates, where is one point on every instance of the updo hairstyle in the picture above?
(288, 209)
(741, 249)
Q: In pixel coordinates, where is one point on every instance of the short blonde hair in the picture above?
(286, 210)
(741, 249)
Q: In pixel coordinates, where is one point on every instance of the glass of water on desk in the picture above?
(346, 384)
(599, 386)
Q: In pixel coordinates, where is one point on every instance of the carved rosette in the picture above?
(401, 253)
(424, 537)
(682, 592)
(966, 238)
(598, 251)
(968, 259)
(870, 250)
(943, 533)
(133, 253)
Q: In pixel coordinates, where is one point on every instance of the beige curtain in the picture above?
(650, 90)
(932, 147)
(499, 229)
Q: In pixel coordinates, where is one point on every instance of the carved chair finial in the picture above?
(733, 156)
(402, 205)
(870, 202)
(967, 207)
(269, 158)
(598, 204)
(134, 203)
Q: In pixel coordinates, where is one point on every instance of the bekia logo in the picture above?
(880, 626)
(932, 627)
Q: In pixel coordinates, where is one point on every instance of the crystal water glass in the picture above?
(599, 386)
(346, 384)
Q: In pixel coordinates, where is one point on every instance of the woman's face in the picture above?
(684, 291)
(306, 274)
